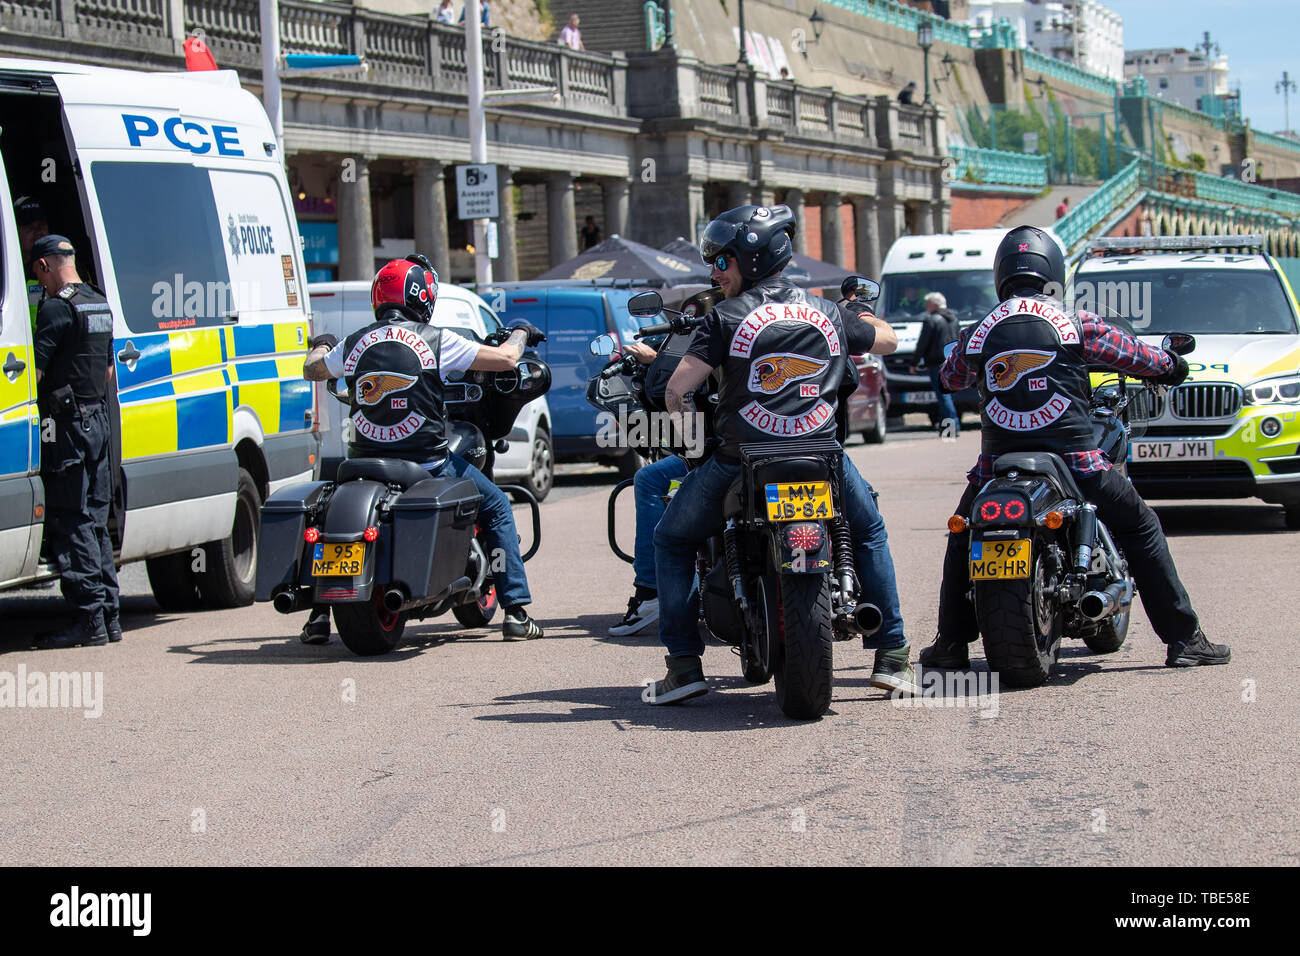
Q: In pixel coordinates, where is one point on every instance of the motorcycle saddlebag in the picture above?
(284, 519)
(433, 525)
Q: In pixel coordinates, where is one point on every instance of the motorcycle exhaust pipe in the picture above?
(868, 618)
(286, 602)
(394, 600)
(1096, 605)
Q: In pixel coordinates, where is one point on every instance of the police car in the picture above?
(1232, 430)
(172, 191)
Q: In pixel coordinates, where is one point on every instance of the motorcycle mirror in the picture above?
(534, 378)
(604, 345)
(645, 305)
(1180, 343)
(338, 387)
(867, 290)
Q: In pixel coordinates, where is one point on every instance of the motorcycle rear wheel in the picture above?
(1109, 635)
(369, 629)
(480, 613)
(758, 651)
(803, 656)
(1021, 626)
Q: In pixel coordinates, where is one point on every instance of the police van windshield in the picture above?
(970, 294)
(1198, 301)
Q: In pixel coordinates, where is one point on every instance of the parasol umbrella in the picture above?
(619, 258)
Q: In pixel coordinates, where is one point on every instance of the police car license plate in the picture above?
(1171, 451)
(999, 560)
(338, 560)
(802, 501)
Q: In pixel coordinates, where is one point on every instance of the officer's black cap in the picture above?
(50, 246)
(27, 211)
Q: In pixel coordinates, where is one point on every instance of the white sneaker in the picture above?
(639, 616)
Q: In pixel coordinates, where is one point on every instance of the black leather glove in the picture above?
(535, 335)
(1175, 375)
(323, 339)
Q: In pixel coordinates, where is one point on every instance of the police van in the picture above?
(958, 265)
(171, 189)
(1232, 430)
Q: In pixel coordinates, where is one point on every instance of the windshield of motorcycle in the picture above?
(970, 294)
(1198, 301)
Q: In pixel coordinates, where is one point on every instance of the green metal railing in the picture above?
(905, 18)
(1231, 192)
(1110, 196)
(998, 166)
(1070, 73)
(1270, 139)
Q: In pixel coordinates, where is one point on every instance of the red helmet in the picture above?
(408, 285)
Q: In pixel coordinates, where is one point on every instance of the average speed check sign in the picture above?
(476, 191)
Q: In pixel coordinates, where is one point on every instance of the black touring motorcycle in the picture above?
(778, 583)
(386, 542)
(1042, 565)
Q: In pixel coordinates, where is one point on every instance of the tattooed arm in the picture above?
(687, 377)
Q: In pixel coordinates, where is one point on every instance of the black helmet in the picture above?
(1028, 257)
(758, 236)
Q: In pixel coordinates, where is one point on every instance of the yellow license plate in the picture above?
(999, 560)
(338, 560)
(800, 501)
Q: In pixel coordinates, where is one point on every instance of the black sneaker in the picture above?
(945, 656)
(317, 628)
(685, 679)
(520, 627)
(113, 624)
(1195, 651)
(87, 632)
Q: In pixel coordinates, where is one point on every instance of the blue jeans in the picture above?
(695, 515)
(651, 484)
(499, 534)
(947, 408)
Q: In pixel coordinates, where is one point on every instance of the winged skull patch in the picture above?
(1007, 368)
(773, 372)
(372, 388)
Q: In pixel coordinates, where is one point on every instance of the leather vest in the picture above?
(391, 368)
(1033, 378)
(784, 364)
(83, 360)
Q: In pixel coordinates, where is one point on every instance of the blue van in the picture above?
(571, 315)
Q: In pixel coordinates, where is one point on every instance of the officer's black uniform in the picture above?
(74, 340)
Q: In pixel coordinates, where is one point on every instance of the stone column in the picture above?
(356, 227)
(738, 194)
(614, 189)
(938, 218)
(507, 269)
(695, 198)
(832, 229)
(561, 219)
(431, 215)
(868, 236)
(794, 199)
(766, 195)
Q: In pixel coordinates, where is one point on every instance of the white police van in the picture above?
(170, 187)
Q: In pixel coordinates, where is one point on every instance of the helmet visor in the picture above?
(717, 239)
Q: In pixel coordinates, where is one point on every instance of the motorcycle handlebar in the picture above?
(657, 329)
(615, 367)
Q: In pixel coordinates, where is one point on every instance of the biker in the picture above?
(1029, 273)
(409, 421)
(747, 247)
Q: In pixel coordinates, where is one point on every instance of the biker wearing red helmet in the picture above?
(403, 416)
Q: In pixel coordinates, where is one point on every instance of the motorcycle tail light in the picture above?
(956, 524)
(991, 511)
(1053, 519)
(370, 534)
(1014, 509)
(806, 536)
(311, 535)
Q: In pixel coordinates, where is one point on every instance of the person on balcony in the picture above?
(906, 93)
(446, 13)
(571, 36)
(484, 16)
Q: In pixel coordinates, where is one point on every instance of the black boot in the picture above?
(317, 628)
(945, 655)
(1196, 650)
(113, 625)
(87, 630)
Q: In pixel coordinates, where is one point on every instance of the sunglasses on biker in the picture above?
(720, 263)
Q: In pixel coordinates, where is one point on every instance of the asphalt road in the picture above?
(222, 740)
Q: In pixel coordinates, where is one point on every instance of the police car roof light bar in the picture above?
(311, 64)
(1116, 244)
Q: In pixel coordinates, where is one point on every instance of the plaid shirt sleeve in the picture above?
(1103, 344)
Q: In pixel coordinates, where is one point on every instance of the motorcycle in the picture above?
(385, 541)
(777, 584)
(1043, 567)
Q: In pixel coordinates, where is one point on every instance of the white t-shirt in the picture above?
(455, 354)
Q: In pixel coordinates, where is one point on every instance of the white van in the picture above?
(170, 188)
(342, 308)
(959, 265)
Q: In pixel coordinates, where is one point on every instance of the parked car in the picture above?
(342, 308)
(869, 405)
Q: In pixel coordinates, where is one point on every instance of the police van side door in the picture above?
(20, 529)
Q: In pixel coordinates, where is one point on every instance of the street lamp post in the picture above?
(925, 40)
(1285, 86)
(744, 55)
(477, 132)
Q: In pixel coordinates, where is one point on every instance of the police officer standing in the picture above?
(74, 341)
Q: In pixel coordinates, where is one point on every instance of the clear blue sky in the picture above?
(1259, 38)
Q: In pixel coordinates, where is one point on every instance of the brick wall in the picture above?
(984, 210)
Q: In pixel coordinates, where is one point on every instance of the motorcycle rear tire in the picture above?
(1021, 640)
(1109, 635)
(803, 657)
(368, 629)
(480, 612)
